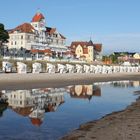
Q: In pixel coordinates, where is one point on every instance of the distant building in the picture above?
(36, 37)
(87, 51)
(132, 58)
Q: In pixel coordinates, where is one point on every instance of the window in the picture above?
(28, 37)
(11, 42)
(22, 37)
(20, 102)
(15, 43)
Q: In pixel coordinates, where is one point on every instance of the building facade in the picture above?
(37, 38)
(87, 51)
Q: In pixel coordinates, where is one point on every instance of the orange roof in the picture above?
(98, 47)
(24, 28)
(37, 17)
(36, 121)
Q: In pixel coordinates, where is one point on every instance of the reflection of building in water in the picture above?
(3, 104)
(19, 98)
(34, 103)
(124, 84)
(136, 83)
(84, 91)
(54, 101)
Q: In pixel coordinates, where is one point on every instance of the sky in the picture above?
(114, 23)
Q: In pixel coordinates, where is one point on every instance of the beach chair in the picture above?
(79, 68)
(6, 67)
(92, 68)
(86, 69)
(61, 68)
(21, 67)
(70, 68)
(36, 68)
(50, 68)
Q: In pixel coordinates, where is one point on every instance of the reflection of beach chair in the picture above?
(36, 68)
(6, 67)
(21, 67)
(61, 68)
(50, 68)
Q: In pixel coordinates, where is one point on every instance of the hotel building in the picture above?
(37, 38)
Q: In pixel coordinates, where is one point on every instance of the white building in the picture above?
(37, 38)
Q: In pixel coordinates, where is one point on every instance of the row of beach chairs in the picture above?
(7, 67)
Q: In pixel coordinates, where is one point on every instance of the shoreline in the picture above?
(44, 80)
(120, 125)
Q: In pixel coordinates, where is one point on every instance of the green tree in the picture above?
(4, 36)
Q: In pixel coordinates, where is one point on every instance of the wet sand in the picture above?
(123, 125)
(44, 80)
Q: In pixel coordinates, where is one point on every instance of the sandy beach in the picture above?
(29, 81)
(123, 125)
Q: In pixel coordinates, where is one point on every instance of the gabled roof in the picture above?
(81, 43)
(62, 36)
(37, 17)
(98, 47)
(24, 28)
(50, 30)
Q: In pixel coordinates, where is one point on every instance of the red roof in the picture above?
(38, 17)
(50, 30)
(85, 44)
(81, 43)
(98, 47)
(24, 28)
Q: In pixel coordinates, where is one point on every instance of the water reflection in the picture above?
(36, 102)
(121, 84)
(84, 91)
